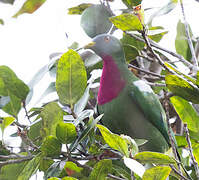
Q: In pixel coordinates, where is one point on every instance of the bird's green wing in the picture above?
(148, 102)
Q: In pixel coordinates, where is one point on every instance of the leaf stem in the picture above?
(194, 59)
(191, 151)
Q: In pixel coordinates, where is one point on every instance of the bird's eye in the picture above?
(106, 38)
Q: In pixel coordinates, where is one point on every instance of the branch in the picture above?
(173, 146)
(153, 44)
(16, 161)
(191, 151)
(147, 72)
(194, 59)
(178, 173)
(90, 169)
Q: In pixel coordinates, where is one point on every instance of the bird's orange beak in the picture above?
(89, 45)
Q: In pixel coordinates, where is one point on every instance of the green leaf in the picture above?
(127, 22)
(134, 166)
(72, 166)
(131, 41)
(69, 178)
(181, 42)
(13, 107)
(1, 22)
(157, 173)
(66, 132)
(71, 78)
(30, 6)
(11, 171)
(53, 178)
(78, 9)
(11, 84)
(51, 115)
(53, 171)
(101, 170)
(6, 122)
(45, 164)
(197, 80)
(131, 3)
(114, 141)
(157, 37)
(35, 132)
(186, 112)
(51, 146)
(182, 88)
(95, 20)
(154, 157)
(30, 168)
(7, 1)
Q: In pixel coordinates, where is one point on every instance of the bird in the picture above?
(129, 105)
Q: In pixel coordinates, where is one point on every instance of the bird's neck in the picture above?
(111, 82)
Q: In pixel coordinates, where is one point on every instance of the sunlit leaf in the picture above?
(71, 78)
(157, 37)
(181, 42)
(29, 6)
(11, 171)
(11, 84)
(182, 88)
(30, 168)
(157, 173)
(79, 9)
(113, 140)
(51, 115)
(134, 166)
(186, 112)
(6, 122)
(101, 170)
(66, 132)
(71, 168)
(127, 22)
(51, 146)
(153, 157)
(131, 3)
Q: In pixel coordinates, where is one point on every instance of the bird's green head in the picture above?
(105, 44)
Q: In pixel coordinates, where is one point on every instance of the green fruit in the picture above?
(95, 20)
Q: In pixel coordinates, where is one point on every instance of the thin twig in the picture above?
(173, 146)
(26, 112)
(153, 44)
(156, 84)
(177, 172)
(194, 59)
(191, 151)
(147, 72)
(90, 169)
(3, 163)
